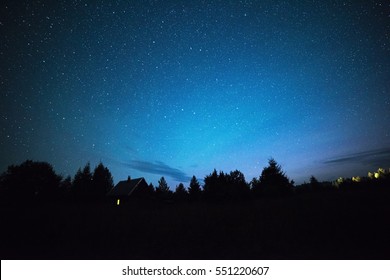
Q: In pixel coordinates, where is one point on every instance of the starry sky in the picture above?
(178, 88)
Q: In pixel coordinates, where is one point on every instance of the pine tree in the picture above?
(102, 181)
(82, 181)
(211, 185)
(149, 191)
(194, 190)
(256, 189)
(163, 191)
(274, 181)
(66, 186)
(181, 193)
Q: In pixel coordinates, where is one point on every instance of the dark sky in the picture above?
(178, 88)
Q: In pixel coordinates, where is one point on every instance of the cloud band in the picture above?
(159, 168)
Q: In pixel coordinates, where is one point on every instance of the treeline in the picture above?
(32, 181)
(221, 186)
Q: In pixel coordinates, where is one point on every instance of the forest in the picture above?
(37, 181)
(45, 216)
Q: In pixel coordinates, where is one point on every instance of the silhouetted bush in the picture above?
(314, 184)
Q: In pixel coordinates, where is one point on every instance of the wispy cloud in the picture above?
(159, 168)
(378, 157)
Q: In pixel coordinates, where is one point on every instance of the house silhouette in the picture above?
(129, 188)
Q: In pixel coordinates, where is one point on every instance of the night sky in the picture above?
(178, 88)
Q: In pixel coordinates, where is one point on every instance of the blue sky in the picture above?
(178, 88)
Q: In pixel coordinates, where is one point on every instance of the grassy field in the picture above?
(330, 225)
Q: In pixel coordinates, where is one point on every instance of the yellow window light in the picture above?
(118, 201)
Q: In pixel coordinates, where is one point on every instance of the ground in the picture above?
(329, 225)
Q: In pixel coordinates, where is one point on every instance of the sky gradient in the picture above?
(178, 88)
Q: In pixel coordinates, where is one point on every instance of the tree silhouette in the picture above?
(147, 192)
(181, 193)
(273, 181)
(226, 186)
(66, 187)
(82, 181)
(213, 186)
(102, 181)
(31, 180)
(194, 190)
(314, 184)
(162, 191)
(237, 186)
(150, 191)
(256, 188)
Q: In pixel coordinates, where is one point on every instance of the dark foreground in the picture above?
(332, 225)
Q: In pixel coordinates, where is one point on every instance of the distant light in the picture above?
(118, 201)
(376, 175)
(356, 179)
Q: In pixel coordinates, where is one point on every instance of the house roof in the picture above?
(125, 188)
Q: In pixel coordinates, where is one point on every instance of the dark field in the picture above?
(330, 225)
